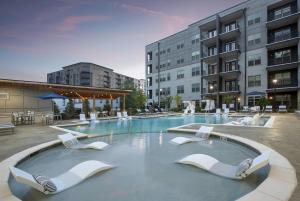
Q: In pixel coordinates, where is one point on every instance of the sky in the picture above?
(41, 36)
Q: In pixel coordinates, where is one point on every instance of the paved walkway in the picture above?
(283, 137)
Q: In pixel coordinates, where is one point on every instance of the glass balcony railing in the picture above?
(282, 60)
(282, 37)
(283, 83)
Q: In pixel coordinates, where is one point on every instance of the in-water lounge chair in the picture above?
(62, 182)
(70, 141)
(214, 166)
(202, 134)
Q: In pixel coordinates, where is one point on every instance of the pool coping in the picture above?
(278, 186)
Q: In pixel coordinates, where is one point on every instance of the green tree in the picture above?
(227, 99)
(168, 101)
(70, 109)
(178, 101)
(86, 107)
(262, 102)
(55, 108)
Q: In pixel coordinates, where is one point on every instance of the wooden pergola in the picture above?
(70, 91)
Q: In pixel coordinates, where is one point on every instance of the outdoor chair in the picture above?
(245, 109)
(282, 108)
(269, 108)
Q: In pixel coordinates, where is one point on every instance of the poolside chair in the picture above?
(216, 167)
(62, 182)
(231, 106)
(245, 109)
(125, 115)
(269, 108)
(255, 109)
(218, 112)
(282, 108)
(82, 117)
(93, 116)
(119, 115)
(226, 111)
(70, 141)
(202, 134)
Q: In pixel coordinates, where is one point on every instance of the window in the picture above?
(149, 69)
(254, 39)
(149, 81)
(168, 50)
(180, 46)
(231, 85)
(253, 100)
(4, 96)
(212, 33)
(149, 56)
(254, 60)
(149, 94)
(230, 27)
(231, 66)
(195, 55)
(180, 89)
(230, 46)
(180, 74)
(253, 19)
(254, 81)
(283, 56)
(284, 78)
(195, 71)
(212, 69)
(196, 87)
(180, 61)
(212, 51)
(196, 39)
(282, 34)
(163, 91)
(164, 77)
(282, 12)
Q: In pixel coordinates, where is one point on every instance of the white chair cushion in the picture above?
(46, 183)
(243, 167)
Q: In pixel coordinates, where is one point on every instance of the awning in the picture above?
(256, 93)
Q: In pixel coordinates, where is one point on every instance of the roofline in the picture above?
(89, 64)
(45, 84)
(244, 2)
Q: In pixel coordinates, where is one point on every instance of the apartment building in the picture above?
(244, 52)
(89, 74)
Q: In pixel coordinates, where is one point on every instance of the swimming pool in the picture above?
(149, 125)
(146, 169)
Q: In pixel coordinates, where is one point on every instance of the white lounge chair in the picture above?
(82, 117)
(7, 128)
(231, 106)
(218, 111)
(214, 166)
(119, 115)
(226, 111)
(282, 108)
(93, 116)
(255, 109)
(269, 108)
(70, 141)
(202, 134)
(64, 181)
(125, 115)
(245, 109)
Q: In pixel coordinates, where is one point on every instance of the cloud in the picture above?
(72, 22)
(171, 23)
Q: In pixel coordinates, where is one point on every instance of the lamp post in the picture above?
(211, 87)
(274, 81)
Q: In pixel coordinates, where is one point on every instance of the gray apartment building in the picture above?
(89, 74)
(245, 52)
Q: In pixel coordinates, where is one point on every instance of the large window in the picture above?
(230, 46)
(180, 74)
(149, 56)
(196, 39)
(212, 33)
(231, 85)
(253, 100)
(149, 81)
(196, 87)
(282, 12)
(180, 89)
(212, 69)
(149, 94)
(231, 66)
(180, 46)
(282, 56)
(149, 69)
(195, 55)
(180, 61)
(254, 39)
(230, 27)
(212, 51)
(282, 34)
(254, 81)
(283, 78)
(254, 60)
(253, 19)
(163, 91)
(195, 71)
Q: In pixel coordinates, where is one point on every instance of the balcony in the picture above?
(283, 63)
(230, 90)
(208, 40)
(230, 53)
(208, 58)
(209, 92)
(283, 19)
(231, 71)
(210, 74)
(232, 34)
(284, 83)
(283, 41)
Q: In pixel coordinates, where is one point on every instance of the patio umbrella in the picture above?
(51, 96)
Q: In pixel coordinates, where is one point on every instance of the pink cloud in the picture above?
(171, 23)
(70, 23)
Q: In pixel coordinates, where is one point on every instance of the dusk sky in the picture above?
(41, 36)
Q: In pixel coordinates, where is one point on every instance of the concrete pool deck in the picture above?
(283, 137)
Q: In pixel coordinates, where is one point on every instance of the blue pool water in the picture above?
(149, 125)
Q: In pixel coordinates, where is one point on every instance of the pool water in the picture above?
(149, 125)
(146, 169)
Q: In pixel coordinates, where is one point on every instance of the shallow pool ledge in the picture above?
(281, 181)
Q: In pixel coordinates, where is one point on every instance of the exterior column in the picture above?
(94, 103)
(124, 99)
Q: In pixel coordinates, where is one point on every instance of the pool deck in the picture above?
(284, 137)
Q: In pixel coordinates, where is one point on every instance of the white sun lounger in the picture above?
(71, 141)
(64, 181)
(201, 135)
(216, 167)
(125, 115)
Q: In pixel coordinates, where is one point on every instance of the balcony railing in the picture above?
(225, 50)
(282, 60)
(231, 88)
(282, 37)
(283, 83)
(228, 31)
(231, 68)
(272, 16)
(209, 91)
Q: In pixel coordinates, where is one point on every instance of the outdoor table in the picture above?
(57, 117)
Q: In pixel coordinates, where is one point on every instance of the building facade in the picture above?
(93, 75)
(242, 53)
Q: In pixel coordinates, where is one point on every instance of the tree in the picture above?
(262, 102)
(86, 107)
(168, 101)
(178, 101)
(70, 109)
(55, 108)
(227, 99)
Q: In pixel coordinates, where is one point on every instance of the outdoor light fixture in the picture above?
(239, 99)
(274, 81)
(211, 87)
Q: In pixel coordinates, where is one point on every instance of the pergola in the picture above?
(70, 91)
